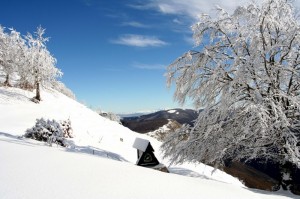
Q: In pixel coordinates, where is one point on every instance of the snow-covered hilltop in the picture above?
(100, 162)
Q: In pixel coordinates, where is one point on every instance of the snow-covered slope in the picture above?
(89, 169)
(90, 129)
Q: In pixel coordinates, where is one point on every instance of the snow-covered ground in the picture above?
(100, 161)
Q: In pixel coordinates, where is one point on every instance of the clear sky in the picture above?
(114, 53)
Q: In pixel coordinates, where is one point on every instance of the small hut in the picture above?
(145, 155)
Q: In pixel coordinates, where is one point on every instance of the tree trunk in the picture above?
(38, 93)
(6, 83)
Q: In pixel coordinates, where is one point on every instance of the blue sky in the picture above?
(113, 53)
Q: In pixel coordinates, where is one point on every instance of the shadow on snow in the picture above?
(90, 150)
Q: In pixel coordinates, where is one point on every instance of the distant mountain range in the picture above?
(137, 114)
(151, 122)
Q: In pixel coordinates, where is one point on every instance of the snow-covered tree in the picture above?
(67, 128)
(29, 61)
(11, 56)
(41, 62)
(111, 116)
(61, 87)
(2, 40)
(246, 77)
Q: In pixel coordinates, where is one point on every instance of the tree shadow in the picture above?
(6, 137)
(7, 95)
(89, 150)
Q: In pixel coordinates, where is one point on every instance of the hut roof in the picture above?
(142, 144)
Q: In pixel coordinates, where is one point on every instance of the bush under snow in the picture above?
(67, 128)
(50, 131)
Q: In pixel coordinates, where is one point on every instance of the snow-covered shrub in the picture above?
(61, 87)
(111, 116)
(49, 131)
(67, 128)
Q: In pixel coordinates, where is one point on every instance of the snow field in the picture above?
(32, 170)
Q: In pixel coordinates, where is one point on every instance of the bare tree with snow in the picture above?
(2, 41)
(41, 62)
(11, 48)
(29, 62)
(246, 77)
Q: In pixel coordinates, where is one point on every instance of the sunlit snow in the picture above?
(100, 162)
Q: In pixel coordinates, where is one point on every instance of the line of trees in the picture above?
(27, 60)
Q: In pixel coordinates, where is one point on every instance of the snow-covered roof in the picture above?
(140, 144)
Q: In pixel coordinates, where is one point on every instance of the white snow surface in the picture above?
(100, 161)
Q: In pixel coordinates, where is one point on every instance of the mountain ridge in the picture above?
(153, 121)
